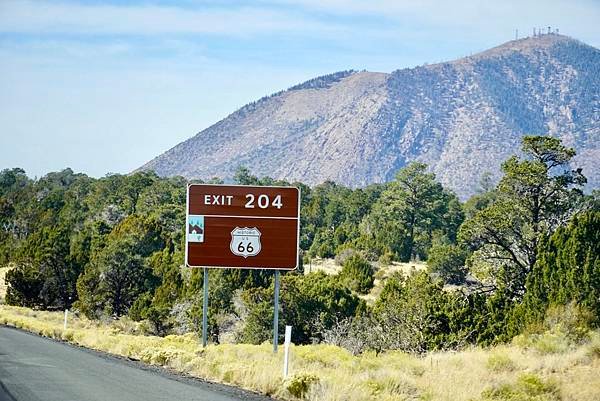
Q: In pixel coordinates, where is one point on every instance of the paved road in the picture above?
(33, 368)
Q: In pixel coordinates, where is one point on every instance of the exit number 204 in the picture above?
(263, 201)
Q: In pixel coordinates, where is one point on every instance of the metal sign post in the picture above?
(205, 309)
(276, 314)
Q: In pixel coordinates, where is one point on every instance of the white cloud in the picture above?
(338, 20)
(44, 17)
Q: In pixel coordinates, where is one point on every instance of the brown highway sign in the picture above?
(237, 226)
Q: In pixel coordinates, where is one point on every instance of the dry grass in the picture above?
(329, 266)
(522, 371)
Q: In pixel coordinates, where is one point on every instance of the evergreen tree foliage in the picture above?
(25, 285)
(115, 246)
(409, 212)
(448, 261)
(408, 312)
(415, 314)
(119, 272)
(567, 270)
(536, 195)
(357, 274)
(311, 304)
(330, 214)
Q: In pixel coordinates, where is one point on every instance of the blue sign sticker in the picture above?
(195, 230)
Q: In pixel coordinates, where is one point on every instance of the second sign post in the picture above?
(236, 226)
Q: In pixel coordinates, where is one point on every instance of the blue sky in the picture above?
(104, 86)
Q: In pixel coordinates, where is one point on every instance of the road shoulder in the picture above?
(158, 370)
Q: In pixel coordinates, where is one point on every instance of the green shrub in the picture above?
(357, 274)
(24, 285)
(299, 385)
(528, 387)
(311, 304)
(594, 346)
(393, 385)
(564, 327)
(68, 335)
(449, 262)
(139, 309)
(386, 258)
(571, 320)
(500, 363)
(545, 343)
(343, 255)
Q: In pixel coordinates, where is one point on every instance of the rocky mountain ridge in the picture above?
(462, 118)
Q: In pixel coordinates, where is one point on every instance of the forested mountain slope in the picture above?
(462, 118)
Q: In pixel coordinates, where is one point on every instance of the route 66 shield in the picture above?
(245, 241)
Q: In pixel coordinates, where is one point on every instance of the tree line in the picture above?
(114, 247)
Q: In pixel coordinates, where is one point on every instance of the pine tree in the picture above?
(537, 194)
(567, 270)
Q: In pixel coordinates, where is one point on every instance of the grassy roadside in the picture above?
(533, 369)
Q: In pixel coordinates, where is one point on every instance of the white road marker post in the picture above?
(286, 346)
(65, 322)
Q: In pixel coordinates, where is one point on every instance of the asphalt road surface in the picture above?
(34, 368)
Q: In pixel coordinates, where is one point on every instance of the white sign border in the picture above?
(187, 212)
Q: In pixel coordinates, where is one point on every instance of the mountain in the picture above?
(462, 118)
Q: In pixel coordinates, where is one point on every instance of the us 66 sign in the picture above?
(245, 241)
(242, 226)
